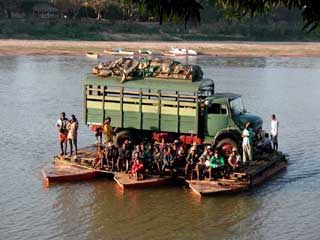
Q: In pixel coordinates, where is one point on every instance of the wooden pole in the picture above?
(85, 109)
(103, 103)
(159, 110)
(140, 108)
(121, 107)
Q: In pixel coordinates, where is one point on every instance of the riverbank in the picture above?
(13, 47)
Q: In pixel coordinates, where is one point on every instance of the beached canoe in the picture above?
(125, 182)
(67, 173)
(92, 55)
(256, 172)
(182, 52)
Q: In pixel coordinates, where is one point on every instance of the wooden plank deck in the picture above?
(68, 173)
(253, 174)
(125, 182)
(206, 187)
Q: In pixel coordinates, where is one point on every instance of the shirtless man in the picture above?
(62, 129)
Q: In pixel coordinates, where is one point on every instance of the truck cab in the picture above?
(224, 120)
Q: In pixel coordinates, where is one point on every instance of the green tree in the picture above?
(72, 7)
(8, 6)
(310, 9)
(99, 6)
(170, 9)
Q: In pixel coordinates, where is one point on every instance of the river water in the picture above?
(35, 89)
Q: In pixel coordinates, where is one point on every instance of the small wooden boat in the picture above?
(92, 55)
(65, 173)
(118, 51)
(255, 173)
(182, 52)
(125, 182)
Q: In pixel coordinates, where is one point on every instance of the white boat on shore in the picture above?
(182, 51)
(118, 51)
(92, 55)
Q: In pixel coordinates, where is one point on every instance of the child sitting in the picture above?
(137, 167)
(100, 159)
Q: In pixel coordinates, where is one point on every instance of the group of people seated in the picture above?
(197, 161)
(177, 158)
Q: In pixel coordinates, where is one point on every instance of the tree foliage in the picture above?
(8, 6)
(310, 9)
(170, 9)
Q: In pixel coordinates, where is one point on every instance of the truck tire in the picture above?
(226, 145)
(121, 137)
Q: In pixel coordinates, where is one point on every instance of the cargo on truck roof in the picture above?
(230, 96)
(145, 83)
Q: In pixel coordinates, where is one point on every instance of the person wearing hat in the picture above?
(201, 165)
(191, 160)
(234, 159)
(216, 165)
(112, 156)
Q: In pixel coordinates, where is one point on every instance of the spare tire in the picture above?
(226, 145)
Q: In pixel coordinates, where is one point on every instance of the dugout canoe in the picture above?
(256, 172)
(68, 173)
(125, 182)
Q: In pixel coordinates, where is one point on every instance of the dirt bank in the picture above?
(252, 49)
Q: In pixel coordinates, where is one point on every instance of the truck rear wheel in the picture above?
(121, 137)
(226, 145)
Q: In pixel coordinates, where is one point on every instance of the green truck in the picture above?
(167, 109)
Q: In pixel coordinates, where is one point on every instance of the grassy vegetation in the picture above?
(249, 29)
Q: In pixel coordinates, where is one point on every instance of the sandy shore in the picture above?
(252, 49)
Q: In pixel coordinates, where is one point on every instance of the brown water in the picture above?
(33, 90)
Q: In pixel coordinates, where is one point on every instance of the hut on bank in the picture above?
(45, 10)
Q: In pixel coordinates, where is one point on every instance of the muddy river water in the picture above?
(35, 89)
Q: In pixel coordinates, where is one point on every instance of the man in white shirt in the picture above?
(246, 146)
(274, 132)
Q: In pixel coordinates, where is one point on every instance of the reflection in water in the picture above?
(33, 90)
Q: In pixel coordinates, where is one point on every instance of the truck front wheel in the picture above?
(226, 145)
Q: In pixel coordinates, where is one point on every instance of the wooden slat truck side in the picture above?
(172, 108)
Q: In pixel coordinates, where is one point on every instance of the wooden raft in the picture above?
(254, 173)
(124, 181)
(65, 173)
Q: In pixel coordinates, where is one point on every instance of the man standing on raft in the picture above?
(63, 132)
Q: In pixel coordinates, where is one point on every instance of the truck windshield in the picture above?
(237, 106)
